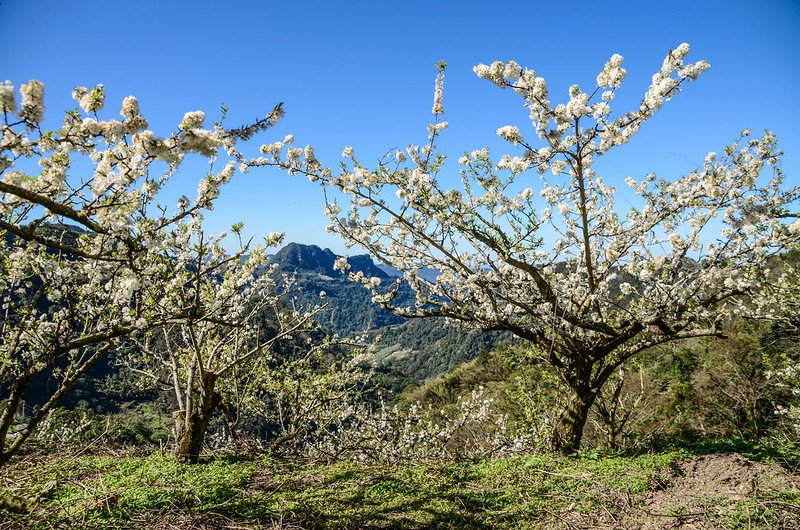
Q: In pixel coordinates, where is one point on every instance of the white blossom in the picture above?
(193, 120)
(8, 102)
(438, 108)
(32, 108)
(511, 134)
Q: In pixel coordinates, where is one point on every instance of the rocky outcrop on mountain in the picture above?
(311, 258)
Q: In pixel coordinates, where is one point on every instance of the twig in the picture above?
(87, 446)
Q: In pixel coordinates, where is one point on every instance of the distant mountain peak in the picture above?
(311, 258)
(306, 257)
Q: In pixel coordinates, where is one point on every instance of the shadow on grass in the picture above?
(354, 499)
(784, 453)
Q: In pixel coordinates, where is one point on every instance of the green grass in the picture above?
(152, 491)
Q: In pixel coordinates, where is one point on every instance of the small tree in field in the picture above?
(200, 359)
(613, 281)
(88, 256)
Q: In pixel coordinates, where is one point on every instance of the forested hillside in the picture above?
(415, 349)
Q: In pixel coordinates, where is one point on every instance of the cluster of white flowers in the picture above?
(91, 101)
(130, 108)
(65, 429)
(8, 102)
(193, 120)
(292, 159)
(498, 71)
(438, 108)
(341, 264)
(32, 109)
(612, 74)
(435, 128)
(390, 435)
(788, 377)
(514, 164)
(511, 134)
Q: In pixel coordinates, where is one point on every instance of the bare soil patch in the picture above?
(719, 491)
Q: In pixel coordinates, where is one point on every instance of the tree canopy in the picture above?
(690, 251)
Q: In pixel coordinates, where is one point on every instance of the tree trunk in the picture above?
(192, 432)
(569, 428)
(9, 410)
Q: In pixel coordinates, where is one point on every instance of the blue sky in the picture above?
(362, 73)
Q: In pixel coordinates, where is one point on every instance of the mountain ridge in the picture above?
(312, 258)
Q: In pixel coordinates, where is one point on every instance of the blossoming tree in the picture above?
(88, 256)
(226, 352)
(613, 281)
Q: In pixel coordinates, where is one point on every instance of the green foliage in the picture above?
(677, 394)
(718, 388)
(351, 309)
(65, 428)
(424, 348)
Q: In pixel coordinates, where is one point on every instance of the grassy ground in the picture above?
(679, 489)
